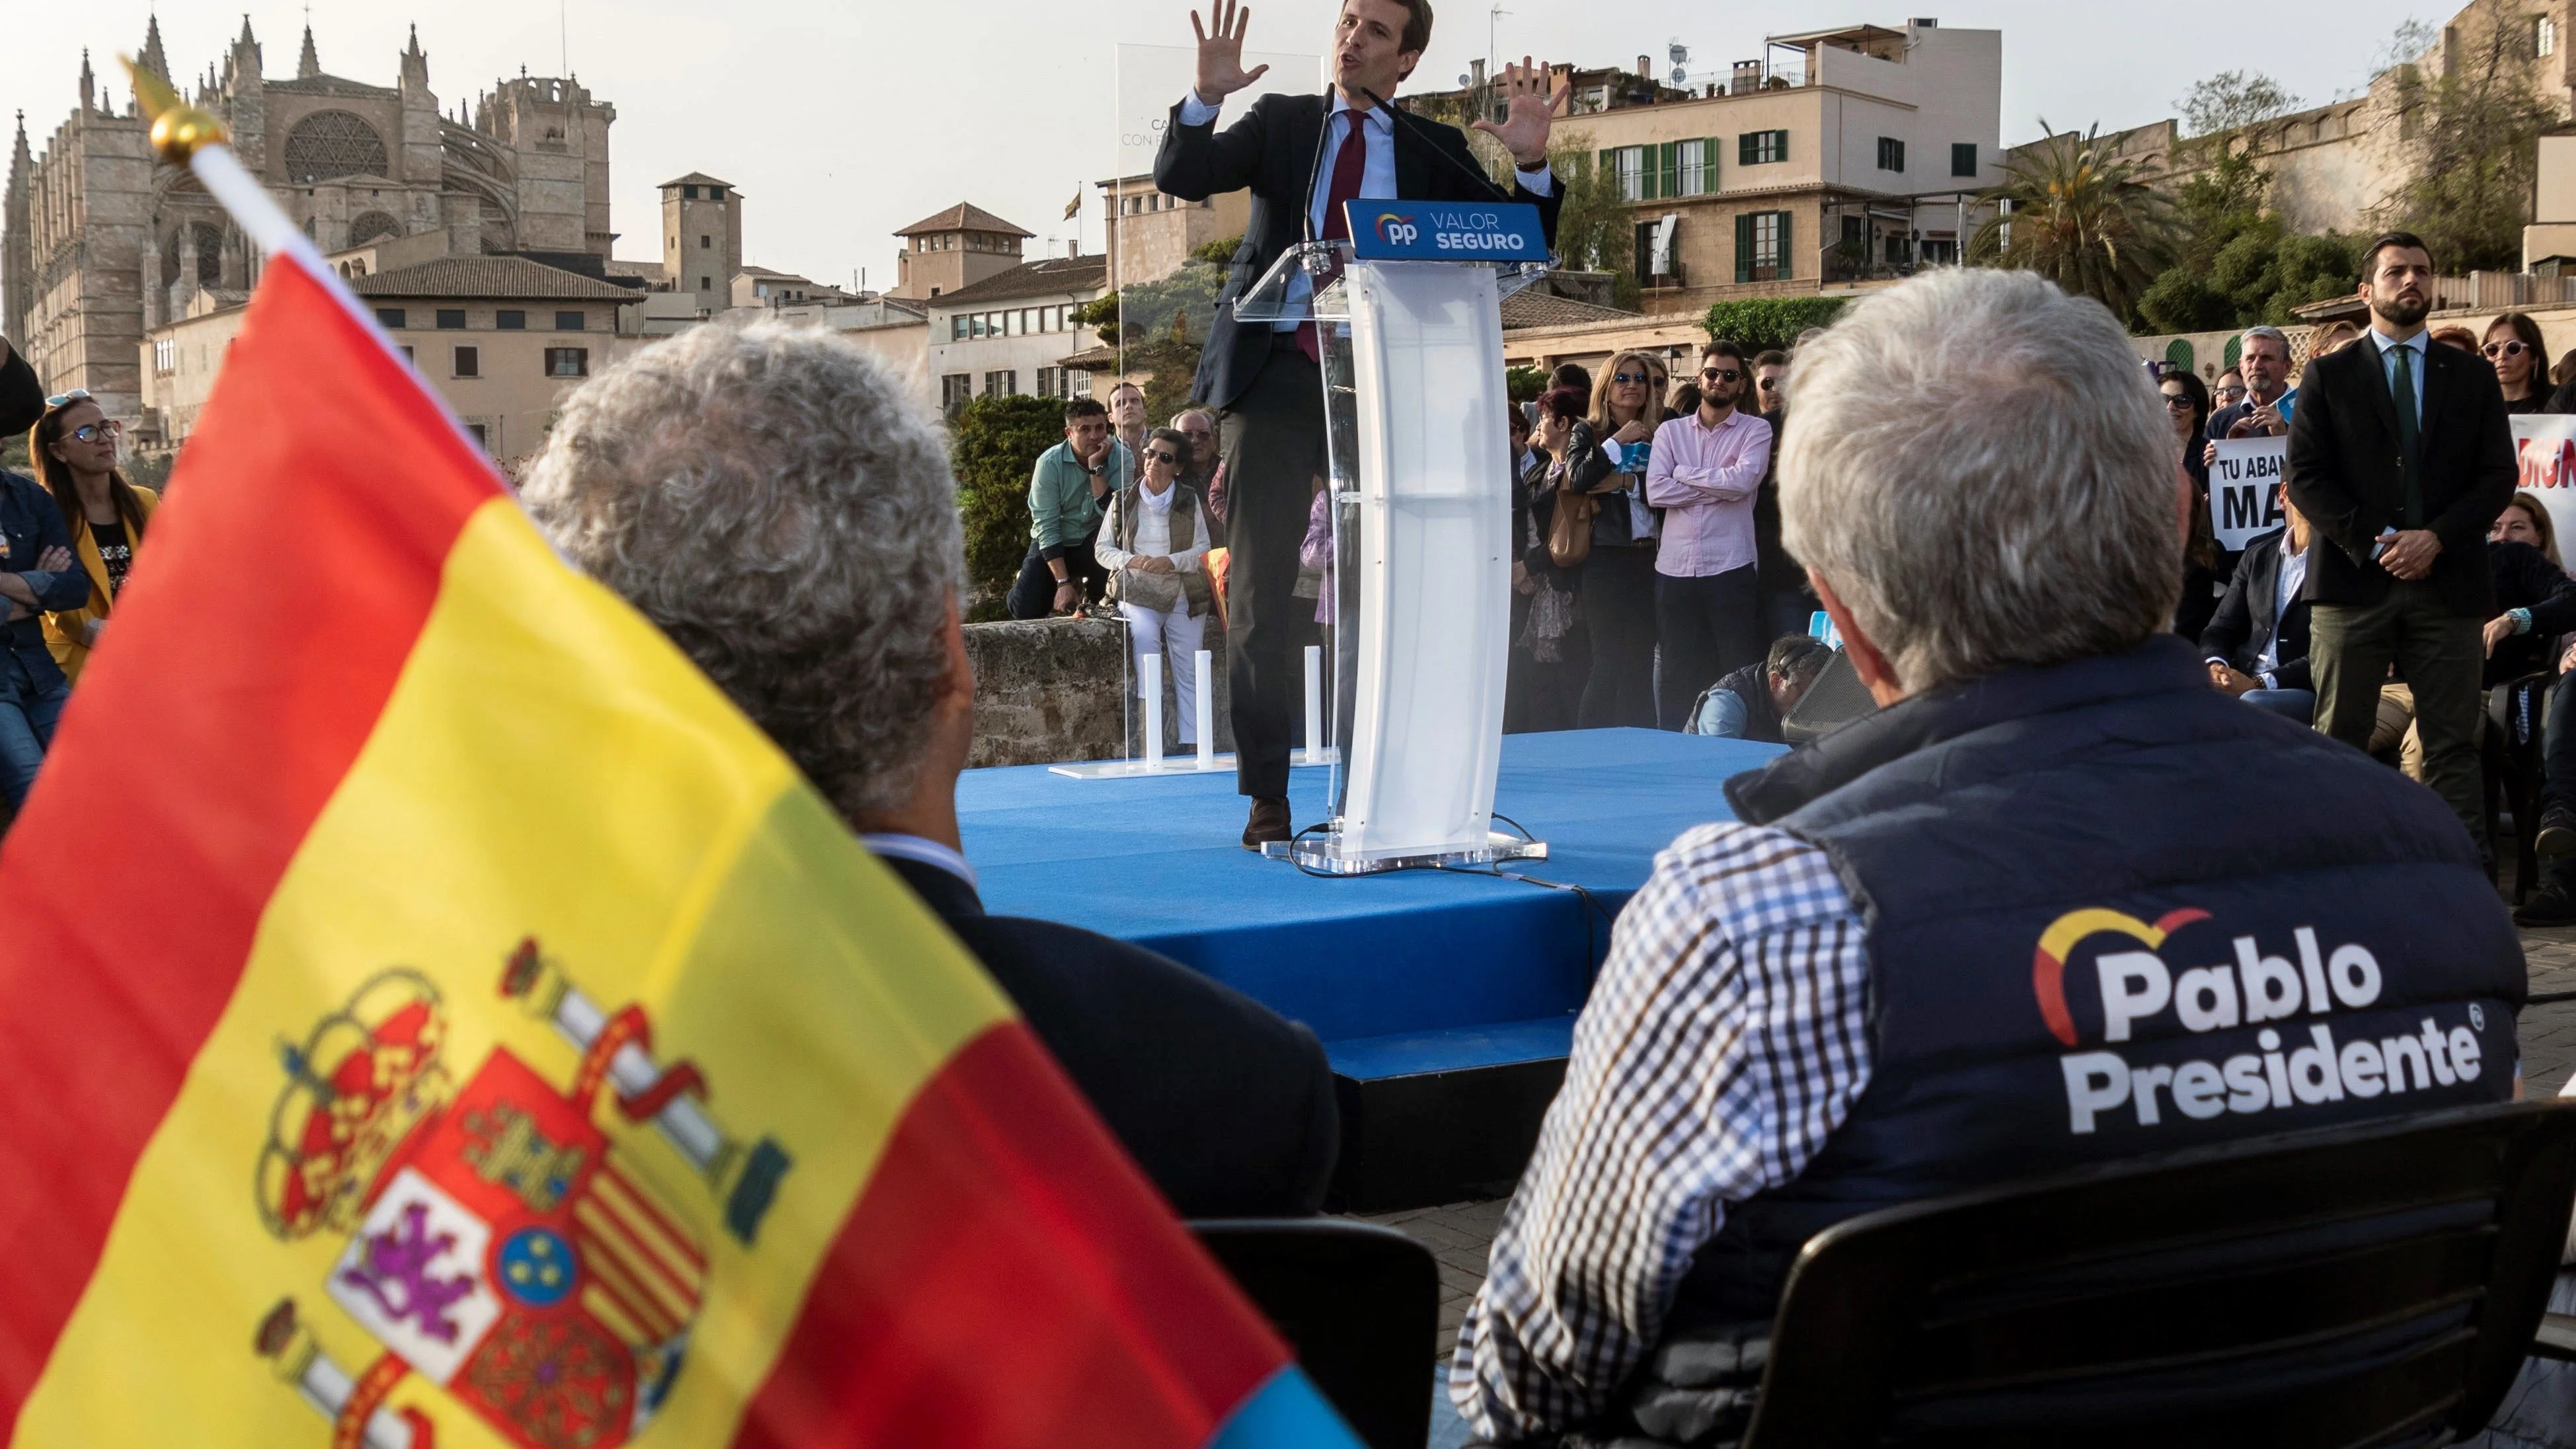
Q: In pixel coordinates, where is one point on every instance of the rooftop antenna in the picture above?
(1491, 16)
(1680, 54)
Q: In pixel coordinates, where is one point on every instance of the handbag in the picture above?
(1569, 533)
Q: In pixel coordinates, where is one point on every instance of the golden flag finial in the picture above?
(178, 128)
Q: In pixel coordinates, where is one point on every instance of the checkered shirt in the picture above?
(1726, 1039)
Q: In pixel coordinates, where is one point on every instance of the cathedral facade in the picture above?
(100, 244)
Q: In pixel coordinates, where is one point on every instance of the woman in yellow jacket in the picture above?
(74, 449)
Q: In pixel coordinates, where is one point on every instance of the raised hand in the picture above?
(1221, 71)
(1532, 108)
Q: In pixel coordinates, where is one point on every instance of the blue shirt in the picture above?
(31, 523)
(2388, 364)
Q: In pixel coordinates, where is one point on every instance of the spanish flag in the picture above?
(430, 1015)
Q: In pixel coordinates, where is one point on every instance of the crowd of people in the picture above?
(2467, 593)
(1664, 578)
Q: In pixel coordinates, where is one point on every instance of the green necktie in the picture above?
(2409, 437)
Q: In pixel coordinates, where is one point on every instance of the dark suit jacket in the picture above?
(2244, 621)
(2526, 579)
(1227, 1107)
(2345, 475)
(22, 397)
(1272, 151)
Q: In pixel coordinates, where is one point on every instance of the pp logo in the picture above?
(1397, 230)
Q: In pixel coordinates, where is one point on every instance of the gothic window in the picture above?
(333, 143)
(371, 226)
(210, 255)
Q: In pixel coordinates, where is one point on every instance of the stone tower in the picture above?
(560, 136)
(702, 238)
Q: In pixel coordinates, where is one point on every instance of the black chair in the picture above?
(1358, 1302)
(2371, 1285)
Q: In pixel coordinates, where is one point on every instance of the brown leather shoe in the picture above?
(1269, 821)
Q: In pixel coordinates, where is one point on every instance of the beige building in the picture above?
(701, 238)
(1011, 332)
(2333, 167)
(1845, 155)
(501, 338)
(99, 245)
(953, 250)
(1151, 234)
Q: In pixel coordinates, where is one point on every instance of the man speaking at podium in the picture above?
(1303, 157)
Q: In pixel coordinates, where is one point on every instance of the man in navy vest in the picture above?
(2058, 902)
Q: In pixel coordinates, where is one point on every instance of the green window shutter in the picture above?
(1744, 149)
(1672, 164)
(1744, 247)
(1708, 166)
(1786, 251)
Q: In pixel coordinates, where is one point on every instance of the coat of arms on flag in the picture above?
(499, 1244)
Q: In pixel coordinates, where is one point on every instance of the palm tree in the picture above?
(2079, 216)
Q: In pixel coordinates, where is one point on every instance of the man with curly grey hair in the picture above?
(2057, 903)
(763, 495)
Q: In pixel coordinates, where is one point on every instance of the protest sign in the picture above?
(2244, 500)
(2545, 446)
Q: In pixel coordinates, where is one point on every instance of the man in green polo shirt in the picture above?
(1067, 490)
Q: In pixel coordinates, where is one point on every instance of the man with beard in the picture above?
(2400, 458)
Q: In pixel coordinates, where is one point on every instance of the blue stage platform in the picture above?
(1409, 975)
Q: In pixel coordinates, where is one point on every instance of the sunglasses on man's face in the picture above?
(1164, 456)
(1720, 374)
(2504, 349)
(1768, 384)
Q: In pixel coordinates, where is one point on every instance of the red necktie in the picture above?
(1348, 163)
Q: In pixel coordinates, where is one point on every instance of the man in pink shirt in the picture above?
(1703, 472)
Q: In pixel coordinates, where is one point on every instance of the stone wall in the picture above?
(1049, 691)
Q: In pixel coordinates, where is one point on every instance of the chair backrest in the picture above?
(1358, 1302)
(2375, 1284)
(1836, 698)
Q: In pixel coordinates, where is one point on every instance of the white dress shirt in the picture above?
(2294, 573)
(1377, 171)
(913, 847)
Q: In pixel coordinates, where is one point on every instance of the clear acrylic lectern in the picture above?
(1417, 443)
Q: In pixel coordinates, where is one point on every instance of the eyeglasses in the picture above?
(2504, 349)
(1720, 374)
(1164, 456)
(1628, 377)
(66, 399)
(2230, 392)
(2178, 402)
(92, 432)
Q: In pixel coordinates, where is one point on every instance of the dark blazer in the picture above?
(1272, 150)
(1227, 1107)
(2345, 475)
(2244, 621)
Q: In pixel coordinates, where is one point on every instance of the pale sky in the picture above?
(842, 122)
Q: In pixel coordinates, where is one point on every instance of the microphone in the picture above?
(1483, 182)
(1314, 169)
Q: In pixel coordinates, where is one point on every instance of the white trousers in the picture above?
(1176, 634)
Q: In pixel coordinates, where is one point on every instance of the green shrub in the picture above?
(1762, 323)
(994, 443)
(1525, 383)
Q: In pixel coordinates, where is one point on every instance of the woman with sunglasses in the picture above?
(1619, 575)
(2515, 350)
(2205, 567)
(1151, 541)
(37, 576)
(74, 449)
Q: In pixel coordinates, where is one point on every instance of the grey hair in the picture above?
(766, 496)
(2269, 332)
(1977, 465)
